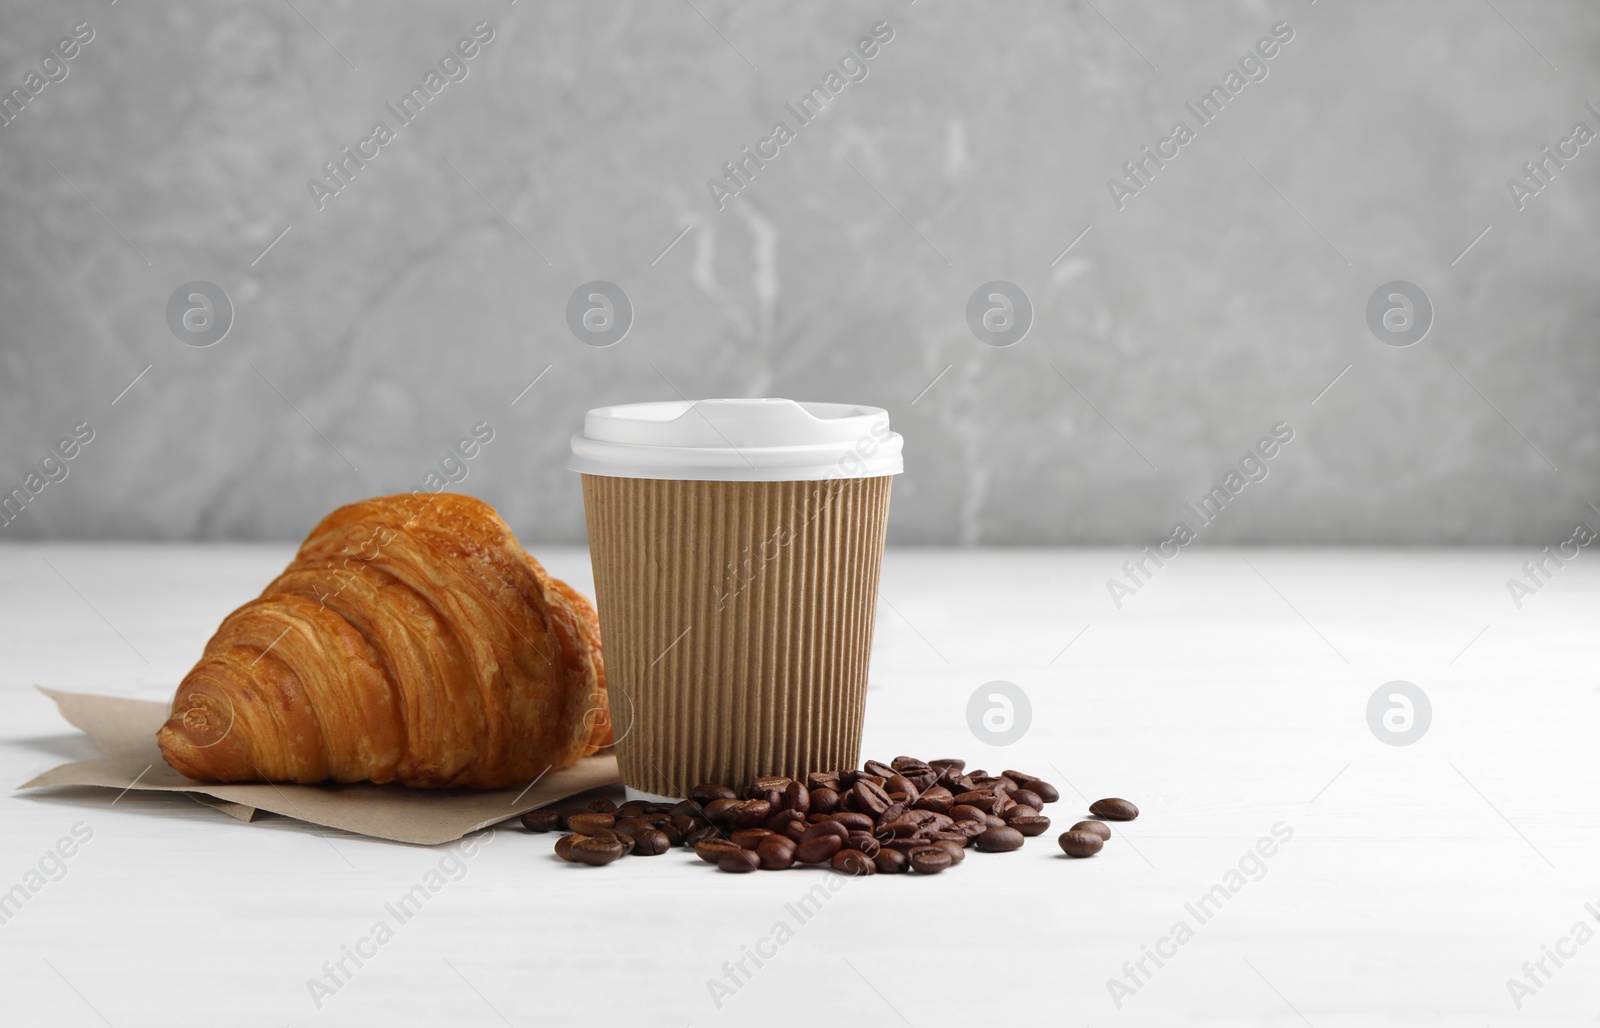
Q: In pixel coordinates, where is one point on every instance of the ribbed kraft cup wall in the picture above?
(736, 653)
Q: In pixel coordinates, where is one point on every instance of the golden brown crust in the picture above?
(410, 640)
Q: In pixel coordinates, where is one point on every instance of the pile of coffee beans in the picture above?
(906, 815)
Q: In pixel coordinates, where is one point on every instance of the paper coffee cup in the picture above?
(736, 547)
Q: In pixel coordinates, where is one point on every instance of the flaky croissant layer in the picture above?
(411, 640)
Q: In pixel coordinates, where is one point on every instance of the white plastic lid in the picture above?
(755, 440)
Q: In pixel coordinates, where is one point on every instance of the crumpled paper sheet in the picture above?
(126, 730)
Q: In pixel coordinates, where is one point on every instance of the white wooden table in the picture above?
(1227, 697)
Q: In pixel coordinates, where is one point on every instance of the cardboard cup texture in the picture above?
(737, 623)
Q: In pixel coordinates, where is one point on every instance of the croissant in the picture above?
(411, 640)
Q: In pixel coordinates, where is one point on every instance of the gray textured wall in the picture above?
(423, 298)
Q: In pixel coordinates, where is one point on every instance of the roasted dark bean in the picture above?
(821, 828)
(966, 812)
(878, 768)
(565, 812)
(797, 797)
(631, 825)
(588, 824)
(1114, 809)
(957, 852)
(1097, 827)
(596, 851)
(542, 820)
(1044, 790)
(633, 808)
(938, 799)
(823, 801)
(930, 860)
(1000, 840)
(704, 794)
(699, 835)
(687, 808)
(711, 850)
(823, 780)
(900, 783)
(818, 850)
(1080, 844)
(853, 862)
(1036, 824)
(782, 819)
(853, 821)
(747, 814)
(776, 853)
(748, 838)
(1028, 797)
(890, 862)
(864, 842)
(651, 842)
(717, 809)
(603, 806)
(869, 798)
(564, 845)
(738, 861)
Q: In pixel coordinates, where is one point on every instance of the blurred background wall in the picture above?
(1171, 327)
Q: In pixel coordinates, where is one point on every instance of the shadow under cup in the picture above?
(736, 618)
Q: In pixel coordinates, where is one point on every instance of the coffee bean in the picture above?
(823, 801)
(966, 812)
(564, 813)
(893, 812)
(1097, 827)
(823, 780)
(864, 842)
(957, 852)
(704, 794)
(610, 835)
(777, 853)
(717, 809)
(782, 819)
(631, 825)
(818, 850)
(596, 850)
(1080, 844)
(890, 862)
(1036, 824)
(937, 798)
(633, 808)
(588, 824)
(1114, 809)
(821, 828)
(853, 862)
(564, 845)
(738, 861)
(748, 838)
(797, 797)
(901, 763)
(542, 820)
(1044, 790)
(878, 769)
(853, 821)
(946, 763)
(1029, 798)
(1000, 840)
(603, 806)
(711, 850)
(869, 798)
(901, 784)
(930, 860)
(651, 842)
(988, 802)
(747, 814)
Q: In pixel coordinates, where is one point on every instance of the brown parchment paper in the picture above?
(126, 730)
